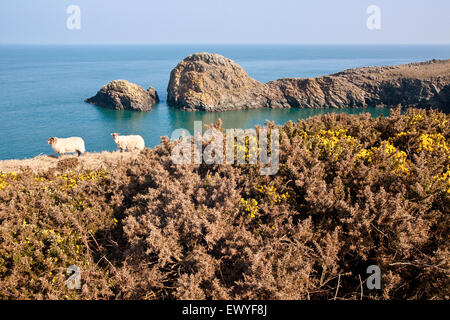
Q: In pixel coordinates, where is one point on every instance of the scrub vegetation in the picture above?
(351, 191)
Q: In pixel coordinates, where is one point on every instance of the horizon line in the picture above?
(224, 44)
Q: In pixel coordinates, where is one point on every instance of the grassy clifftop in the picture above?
(352, 191)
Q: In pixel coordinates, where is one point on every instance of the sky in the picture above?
(224, 22)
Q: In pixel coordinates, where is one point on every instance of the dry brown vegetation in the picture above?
(416, 70)
(351, 191)
(89, 161)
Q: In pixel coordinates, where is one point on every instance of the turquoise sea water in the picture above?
(43, 87)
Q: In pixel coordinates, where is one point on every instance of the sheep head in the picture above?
(114, 135)
(51, 140)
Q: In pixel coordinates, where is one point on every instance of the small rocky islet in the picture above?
(124, 95)
(211, 82)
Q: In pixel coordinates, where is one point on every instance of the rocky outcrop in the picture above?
(212, 82)
(124, 95)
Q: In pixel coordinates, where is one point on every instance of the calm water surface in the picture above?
(43, 87)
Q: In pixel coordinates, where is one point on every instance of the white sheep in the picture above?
(129, 142)
(67, 145)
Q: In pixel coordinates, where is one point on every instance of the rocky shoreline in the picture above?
(211, 82)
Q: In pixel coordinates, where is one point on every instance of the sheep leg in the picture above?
(79, 153)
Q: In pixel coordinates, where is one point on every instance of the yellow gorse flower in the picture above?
(400, 163)
(71, 180)
(330, 142)
(5, 178)
(445, 179)
(248, 148)
(365, 155)
(414, 119)
(250, 207)
(272, 193)
(432, 142)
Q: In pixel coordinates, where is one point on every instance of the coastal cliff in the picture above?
(211, 82)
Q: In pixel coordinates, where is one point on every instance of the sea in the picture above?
(43, 88)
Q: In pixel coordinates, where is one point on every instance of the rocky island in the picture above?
(124, 95)
(211, 82)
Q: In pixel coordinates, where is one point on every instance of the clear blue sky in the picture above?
(224, 21)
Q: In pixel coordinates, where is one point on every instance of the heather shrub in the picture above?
(351, 191)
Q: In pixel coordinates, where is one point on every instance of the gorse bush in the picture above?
(351, 191)
(47, 224)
